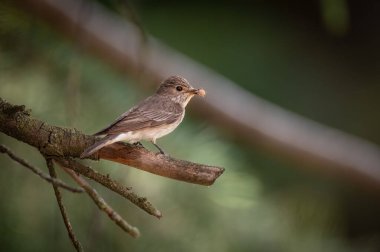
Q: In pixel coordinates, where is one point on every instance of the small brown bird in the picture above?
(154, 117)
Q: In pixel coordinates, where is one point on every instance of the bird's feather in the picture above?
(148, 113)
(98, 145)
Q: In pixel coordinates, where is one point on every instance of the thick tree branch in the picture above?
(102, 204)
(54, 141)
(155, 163)
(16, 122)
(37, 171)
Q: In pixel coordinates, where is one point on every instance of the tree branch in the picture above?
(102, 204)
(55, 141)
(111, 184)
(58, 196)
(162, 165)
(37, 171)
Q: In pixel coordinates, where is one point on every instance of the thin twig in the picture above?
(57, 182)
(102, 204)
(75, 241)
(113, 185)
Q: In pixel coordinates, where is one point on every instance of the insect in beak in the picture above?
(193, 91)
(200, 91)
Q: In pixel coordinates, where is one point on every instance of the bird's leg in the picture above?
(158, 147)
(138, 144)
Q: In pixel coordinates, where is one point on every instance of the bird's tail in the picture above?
(98, 145)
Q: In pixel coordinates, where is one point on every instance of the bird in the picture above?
(152, 118)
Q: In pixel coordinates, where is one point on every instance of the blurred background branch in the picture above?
(246, 116)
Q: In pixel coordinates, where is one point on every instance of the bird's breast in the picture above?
(162, 130)
(150, 133)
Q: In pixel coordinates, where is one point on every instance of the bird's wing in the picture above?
(143, 116)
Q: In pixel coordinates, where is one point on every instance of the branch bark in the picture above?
(160, 164)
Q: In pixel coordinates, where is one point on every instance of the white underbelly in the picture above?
(149, 134)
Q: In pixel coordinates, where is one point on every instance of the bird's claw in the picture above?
(138, 144)
(162, 153)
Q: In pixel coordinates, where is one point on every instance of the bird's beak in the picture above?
(193, 91)
(199, 91)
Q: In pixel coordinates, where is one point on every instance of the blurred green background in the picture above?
(320, 59)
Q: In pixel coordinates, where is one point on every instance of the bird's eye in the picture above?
(179, 88)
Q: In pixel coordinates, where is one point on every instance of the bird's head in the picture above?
(179, 90)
